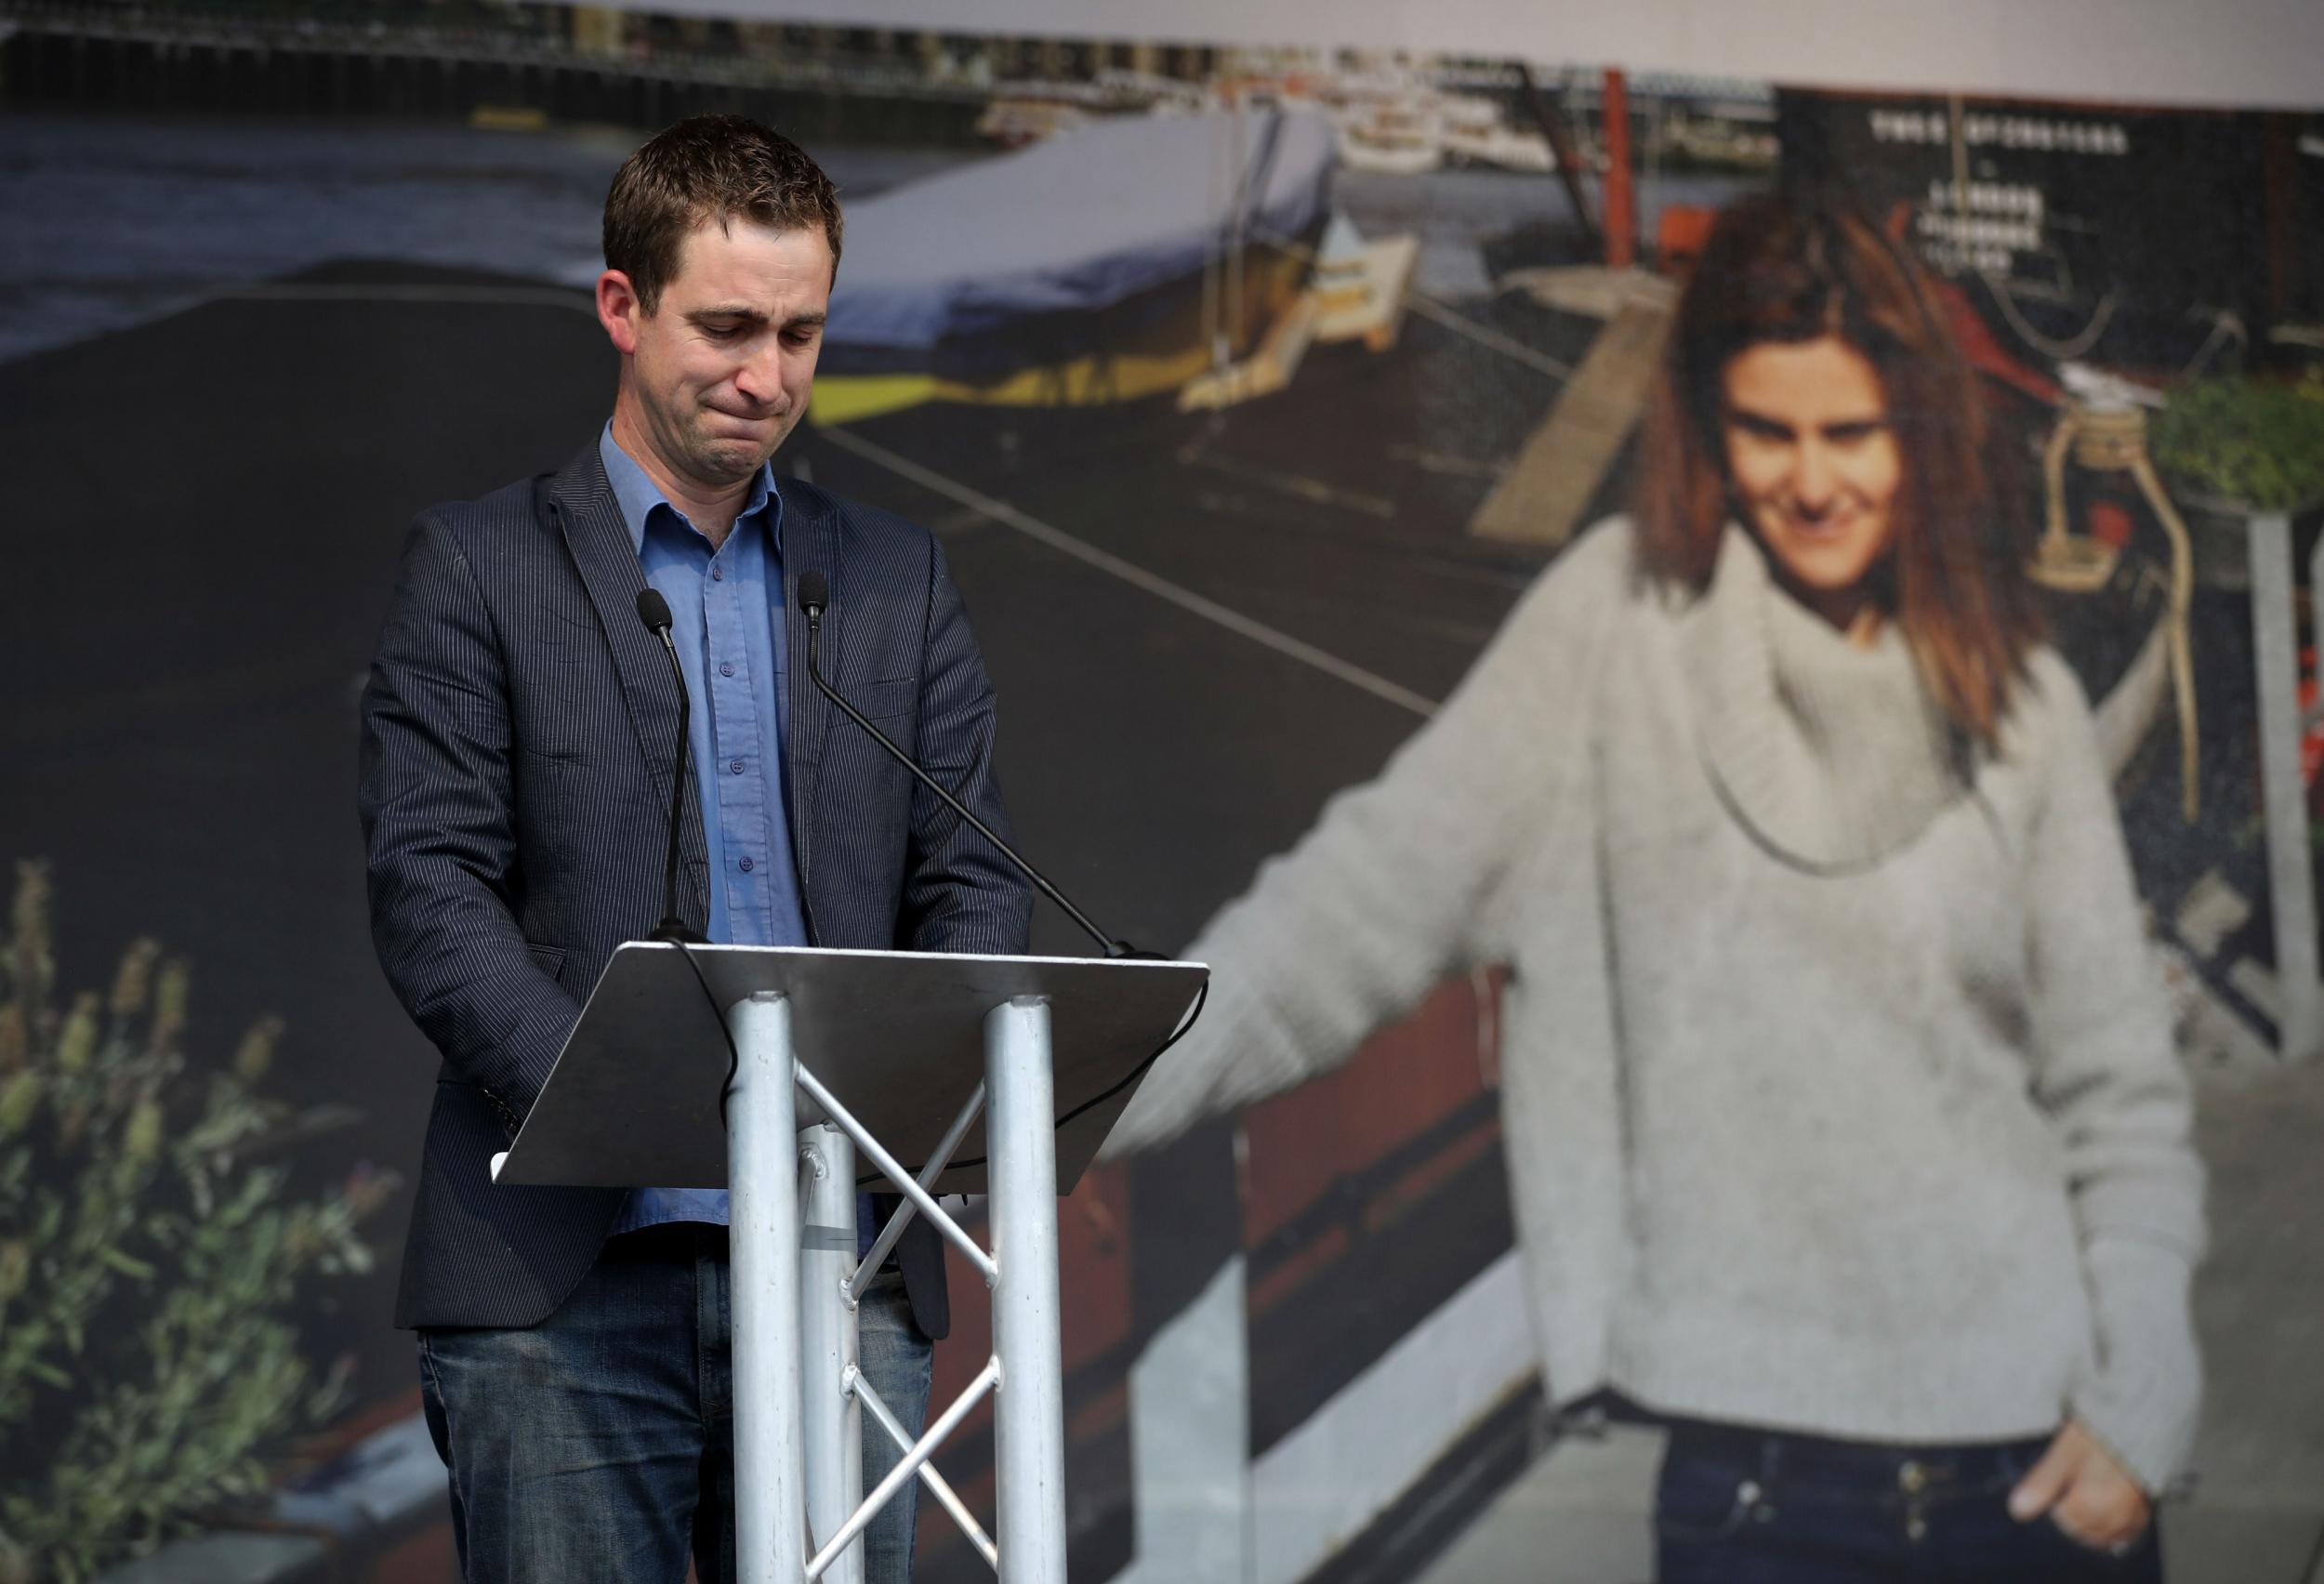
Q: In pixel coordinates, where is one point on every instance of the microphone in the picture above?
(814, 598)
(654, 610)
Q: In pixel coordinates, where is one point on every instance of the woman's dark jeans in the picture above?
(1748, 1507)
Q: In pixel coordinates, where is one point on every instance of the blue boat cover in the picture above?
(1081, 221)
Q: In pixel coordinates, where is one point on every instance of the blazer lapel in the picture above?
(598, 538)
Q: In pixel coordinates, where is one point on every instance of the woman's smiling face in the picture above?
(1813, 465)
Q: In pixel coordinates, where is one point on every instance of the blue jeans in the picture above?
(1748, 1507)
(596, 1448)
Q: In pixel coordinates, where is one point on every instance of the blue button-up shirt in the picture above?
(727, 610)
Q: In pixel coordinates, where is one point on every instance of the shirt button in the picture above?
(736, 767)
(717, 574)
(747, 865)
(726, 667)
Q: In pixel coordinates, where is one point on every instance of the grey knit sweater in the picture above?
(1838, 1090)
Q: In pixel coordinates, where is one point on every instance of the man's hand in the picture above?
(2084, 1490)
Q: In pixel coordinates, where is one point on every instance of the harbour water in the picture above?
(107, 221)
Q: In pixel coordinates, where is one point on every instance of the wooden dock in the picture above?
(1556, 474)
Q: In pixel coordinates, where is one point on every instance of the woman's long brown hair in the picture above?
(1779, 269)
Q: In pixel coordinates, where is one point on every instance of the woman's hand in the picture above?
(2084, 1490)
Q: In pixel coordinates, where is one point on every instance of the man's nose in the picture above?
(761, 378)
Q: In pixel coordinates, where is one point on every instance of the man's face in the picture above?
(721, 368)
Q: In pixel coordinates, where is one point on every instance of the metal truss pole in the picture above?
(828, 1338)
(1028, 1413)
(769, 1506)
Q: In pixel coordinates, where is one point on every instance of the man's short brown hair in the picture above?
(711, 168)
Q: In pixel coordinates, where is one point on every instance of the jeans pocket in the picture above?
(2094, 1559)
(431, 1403)
(1701, 1499)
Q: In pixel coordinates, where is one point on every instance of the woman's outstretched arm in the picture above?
(1397, 885)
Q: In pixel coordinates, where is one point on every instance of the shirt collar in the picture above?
(638, 494)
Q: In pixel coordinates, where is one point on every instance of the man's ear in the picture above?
(618, 310)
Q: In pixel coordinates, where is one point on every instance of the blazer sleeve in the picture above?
(958, 894)
(435, 795)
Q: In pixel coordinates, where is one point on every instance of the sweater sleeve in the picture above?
(2108, 1077)
(1397, 885)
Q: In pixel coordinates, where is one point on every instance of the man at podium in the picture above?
(521, 735)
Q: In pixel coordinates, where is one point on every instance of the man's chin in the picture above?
(731, 458)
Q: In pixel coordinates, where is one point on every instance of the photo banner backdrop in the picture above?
(1247, 389)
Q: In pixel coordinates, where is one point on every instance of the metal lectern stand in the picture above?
(897, 1056)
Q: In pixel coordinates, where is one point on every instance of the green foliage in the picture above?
(151, 1369)
(2258, 443)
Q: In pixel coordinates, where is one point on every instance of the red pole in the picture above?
(1621, 213)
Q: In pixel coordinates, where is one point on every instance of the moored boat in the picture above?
(1089, 268)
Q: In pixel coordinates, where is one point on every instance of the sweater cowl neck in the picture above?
(1830, 755)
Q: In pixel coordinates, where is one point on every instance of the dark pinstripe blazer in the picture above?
(515, 784)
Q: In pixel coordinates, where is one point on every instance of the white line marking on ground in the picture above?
(1136, 577)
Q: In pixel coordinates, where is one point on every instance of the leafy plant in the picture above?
(2256, 442)
(151, 1369)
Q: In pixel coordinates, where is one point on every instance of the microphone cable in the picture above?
(814, 600)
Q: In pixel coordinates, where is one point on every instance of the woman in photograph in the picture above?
(1844, 1129)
